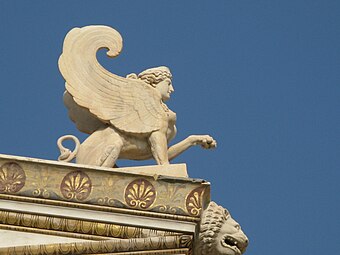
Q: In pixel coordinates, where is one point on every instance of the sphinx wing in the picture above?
(127, 104)
(85, 121)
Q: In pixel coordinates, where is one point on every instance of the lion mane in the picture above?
(219, 233)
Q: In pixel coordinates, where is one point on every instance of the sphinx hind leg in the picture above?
(110, 154)
(102, 148)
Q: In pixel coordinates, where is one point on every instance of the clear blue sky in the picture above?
(262, 77)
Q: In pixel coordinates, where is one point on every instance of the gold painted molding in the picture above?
(184, 251)
(39, 223)
(110, 246)
(53, 232)
(100, 208)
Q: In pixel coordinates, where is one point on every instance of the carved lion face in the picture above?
(219, 233)
(231, 240)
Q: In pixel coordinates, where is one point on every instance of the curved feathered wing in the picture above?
(130, 105)
(85, 121)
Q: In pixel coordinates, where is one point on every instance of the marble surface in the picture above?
(141, 190)
(11, 238)
(125, 117)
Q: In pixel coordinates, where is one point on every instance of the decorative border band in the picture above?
(184, 251)
(100, 208)
(41, 223)
(119, 190)
(110, 246)
(53, 232)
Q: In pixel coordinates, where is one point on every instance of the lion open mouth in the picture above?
(232, 243)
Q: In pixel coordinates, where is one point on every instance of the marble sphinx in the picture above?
(88, 207)
(126, 117)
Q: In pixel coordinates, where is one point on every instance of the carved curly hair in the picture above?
(152, 76)
(212, 221)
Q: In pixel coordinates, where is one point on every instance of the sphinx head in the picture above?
(219, 233)
(157, 77)
(160, 78)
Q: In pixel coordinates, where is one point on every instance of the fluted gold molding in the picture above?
(53, 232)
(170, 251)
(99, 208)
(33, 221)
(109, 246)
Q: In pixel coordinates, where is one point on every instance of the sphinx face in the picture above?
(165, 88)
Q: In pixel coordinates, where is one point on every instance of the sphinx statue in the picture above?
(51, 208)
(125, 117)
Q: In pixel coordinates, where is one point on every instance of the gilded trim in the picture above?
(159, 252)
(110, 246)
(100, 208)
(85, 227)
(52, 232)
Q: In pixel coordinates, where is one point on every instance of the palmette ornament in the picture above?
(56, 208)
